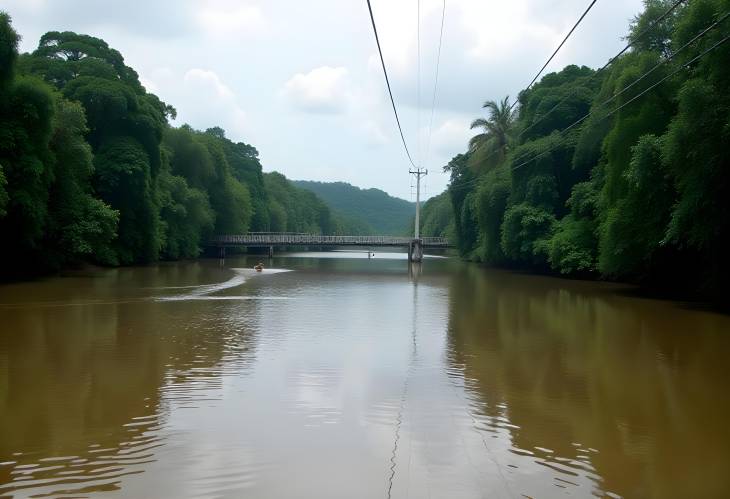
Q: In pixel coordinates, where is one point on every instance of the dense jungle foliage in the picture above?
(437, 217)
(637, 191)
(92, 171)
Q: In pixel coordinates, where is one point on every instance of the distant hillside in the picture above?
(437, 217)
(377, 209)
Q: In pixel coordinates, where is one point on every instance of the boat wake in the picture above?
(207, 291)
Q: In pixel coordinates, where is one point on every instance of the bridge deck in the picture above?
(277, 239)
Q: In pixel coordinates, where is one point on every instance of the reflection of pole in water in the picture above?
(414, 271)
(414, 327)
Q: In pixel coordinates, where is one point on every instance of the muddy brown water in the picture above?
(335, 376)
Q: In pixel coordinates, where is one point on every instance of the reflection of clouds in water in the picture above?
(316, 394)
(519, 385)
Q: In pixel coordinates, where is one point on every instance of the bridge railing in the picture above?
(294, 239)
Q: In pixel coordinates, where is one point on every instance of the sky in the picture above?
(302, 81)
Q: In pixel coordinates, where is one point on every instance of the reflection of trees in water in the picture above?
(639, 380)
(92, 383)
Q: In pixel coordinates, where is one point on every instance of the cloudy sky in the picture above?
(301, 80)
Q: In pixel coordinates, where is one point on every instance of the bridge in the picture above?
(415, 245)
(271, 240)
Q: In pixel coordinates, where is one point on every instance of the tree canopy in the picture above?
(635, 191)
(92, 171)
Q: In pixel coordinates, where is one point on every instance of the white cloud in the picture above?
(202, 100)
(490, 49)
(451, 137)
(511, 24)
(374, 134)
(148, 85)
(207, 81)
(323, 90)
(210, 102)
(225, 18)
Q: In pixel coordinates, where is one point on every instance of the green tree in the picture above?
(461, 192)
(556, 102)
(187, 217)
(9, 40)
(26, 113)
(437, 217)
(573, 247)
(124, 180)
(491, 145)
(526, 234)
(492, 199)
(79, 226)
(229, 198)
(695, 149)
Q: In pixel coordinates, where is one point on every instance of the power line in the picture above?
(614, 111)
(670, 57)
(387, 82)
(660, 63)
(638, 37)
(590, 6)
(514, 103)
(418, 78)
(435, 82)
(631, 43)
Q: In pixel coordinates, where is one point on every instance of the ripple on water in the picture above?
(231, 476)
(98, 469)
(315, 395)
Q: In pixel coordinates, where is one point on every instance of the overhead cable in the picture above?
(580, 19)
(387, 82)
(436, 81)
(685, 65)
(418, 78)
(631, 43)
(614, 111)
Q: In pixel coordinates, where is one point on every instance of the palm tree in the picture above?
(492, 144)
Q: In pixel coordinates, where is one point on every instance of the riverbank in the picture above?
(669, 287)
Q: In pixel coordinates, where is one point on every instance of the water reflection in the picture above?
(626, 393)
(90, 368)
(355, 377)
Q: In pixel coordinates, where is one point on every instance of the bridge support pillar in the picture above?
(415, 251)
(271, 252)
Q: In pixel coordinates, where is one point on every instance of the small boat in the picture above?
(259, 267)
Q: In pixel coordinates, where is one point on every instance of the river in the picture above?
(331, 375)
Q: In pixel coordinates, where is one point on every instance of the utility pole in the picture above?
(415, 252)
(418, 174)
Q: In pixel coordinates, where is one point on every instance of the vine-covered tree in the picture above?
(91, 170)
(622, 172)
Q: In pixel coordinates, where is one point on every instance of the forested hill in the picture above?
(383, 213)
(92, 171)
(622, 173)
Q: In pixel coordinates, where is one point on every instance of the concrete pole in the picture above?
(418, 173)
(418, 205)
